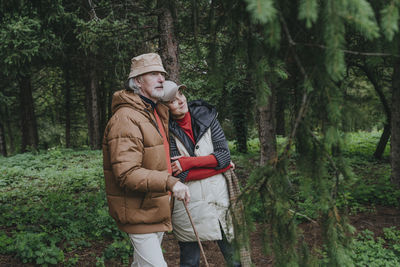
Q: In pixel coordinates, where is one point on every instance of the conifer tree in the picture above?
(322, 25)
(390, 24)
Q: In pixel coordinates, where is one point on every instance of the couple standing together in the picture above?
(153, 125)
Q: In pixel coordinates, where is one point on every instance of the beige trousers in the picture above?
(147, 250)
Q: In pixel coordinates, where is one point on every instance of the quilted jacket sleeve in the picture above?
(126, 148)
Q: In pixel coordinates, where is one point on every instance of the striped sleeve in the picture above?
(182, 176)
(221, 149)
(174, 152)
(173, 149)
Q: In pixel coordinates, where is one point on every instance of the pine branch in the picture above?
(336, 169)
(93, 12)
(303, 215)
(305, 99)
(350, 51)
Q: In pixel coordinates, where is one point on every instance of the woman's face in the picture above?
(178, 106)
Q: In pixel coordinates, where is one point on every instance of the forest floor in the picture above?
(375, 219)
(372, 186)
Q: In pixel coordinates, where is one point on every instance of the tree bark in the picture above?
(168, 40)
(67, 108)
(103, 104)
(3, 147)
(380, 148)
(395, 140)
(280, 115)
(30, 136)
(267, 130)
(92, 110)
(9, 131)
(374, 78)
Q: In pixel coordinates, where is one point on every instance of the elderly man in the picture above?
(136, 161)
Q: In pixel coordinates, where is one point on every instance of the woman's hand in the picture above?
(176, 166)
(232, 165)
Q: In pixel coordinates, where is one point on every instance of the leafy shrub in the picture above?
(55, 202)
(392, 237)
(34, 247)
(372, 253)
(6, 243)
(121, 249)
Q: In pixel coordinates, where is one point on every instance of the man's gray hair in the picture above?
(130, 84)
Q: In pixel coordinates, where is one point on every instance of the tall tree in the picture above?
(375, 78)
(3, 146)
(168, 41)
(93, 110)
(395, 140)
(67, 89)
(292, 28)
(26, 43)
(390, 24)
(30, 138)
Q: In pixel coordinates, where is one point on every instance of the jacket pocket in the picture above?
(155, 208)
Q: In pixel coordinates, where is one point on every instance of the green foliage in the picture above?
(358, 13)
(23, 39)
(35, 247)
(361, 15)
(21, 35)
(334, 40)
(369, 251)
(299, 197)
(390, 19)
(308, 10)
(119, 249)
(262, 10)
(54, 202)
(96, 36)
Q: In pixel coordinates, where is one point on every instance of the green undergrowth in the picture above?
(52, 205)
(369, 185)
(368, 188)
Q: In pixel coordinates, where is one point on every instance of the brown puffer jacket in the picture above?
(135, 167)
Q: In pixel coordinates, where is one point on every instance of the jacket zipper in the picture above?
(154, 122)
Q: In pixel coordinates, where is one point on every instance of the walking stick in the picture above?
(195, 232)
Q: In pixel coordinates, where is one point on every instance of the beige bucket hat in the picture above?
(170, 89)
(146, 63)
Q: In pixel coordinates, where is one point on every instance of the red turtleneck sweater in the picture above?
(199, 167)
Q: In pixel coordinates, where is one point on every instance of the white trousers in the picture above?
(147, 250)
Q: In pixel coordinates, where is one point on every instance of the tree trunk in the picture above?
(94, 87)
(380, 148)
(395, 140)
(280, 115)
(103, 102)
(266, 130)
(67, 108)
(374, 78)
(239, 118)
(3, 147)
(9, 131)
(168, 40)
(92, 110)
(28, 119)
(109, 102)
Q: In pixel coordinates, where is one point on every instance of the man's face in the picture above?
(178, 106)
(151, 85)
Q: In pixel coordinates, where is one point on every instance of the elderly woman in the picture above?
(200, 152)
